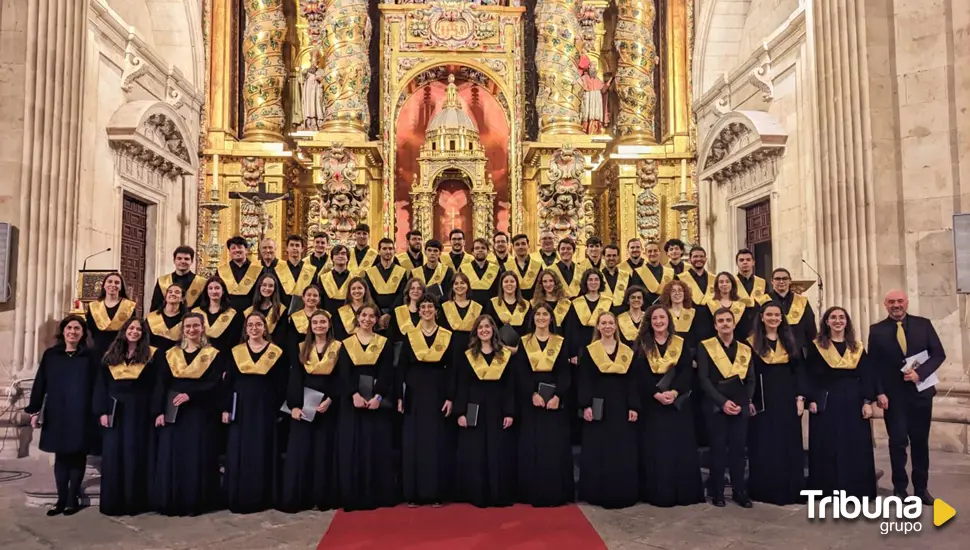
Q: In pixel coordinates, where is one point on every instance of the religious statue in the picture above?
(595, 114)
(340, 204)
(312, 100)
(562, 195)
(261, 218)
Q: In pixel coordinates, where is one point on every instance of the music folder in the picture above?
(759, 396)
(365, 386)
(111, 415)
(171, 410)
(667, 380)
(546, 391)
(597, 406)
(471, 415)
(821, 400)
(232, 411)
(681, 399)
(509, 336)
(311, 400)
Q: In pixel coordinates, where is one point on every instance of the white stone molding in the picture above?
(134, 65)
(742, 150)
(761, 76)
(152, 142)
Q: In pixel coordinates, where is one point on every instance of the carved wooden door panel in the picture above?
(758, 223)
(134, 227)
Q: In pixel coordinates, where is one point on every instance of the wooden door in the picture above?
(134, 227)
(758, 235)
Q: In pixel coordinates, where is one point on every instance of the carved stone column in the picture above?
(422, 205)
(346, 69)
(557, 60)
(637, 54)
(483, 206)
(265, 72)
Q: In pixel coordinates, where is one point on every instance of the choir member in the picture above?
(406, 315)
(549, 291)
(652, 275)
(193, 286)
(412, 257)
(267, 302)
(106, 315)
(630, 321)
(122, 401)
(545, 459)
(751, 288)
(62, 394)
(256, 380)
(434, 274)
(386, 280)
(615, 280)
(728, 379)
(690, 323)
(334, 281)
(797, 310)
(484, 404)
(566, 269)
(697, 278)
(775, 455)
(223, 324)
(456, 258)
(524, 266)
(364, 436)
(634, 256)
(482, 274)
(165, 325)
(309, 472)
(319, 257)
(607, 385)
(674, 249)
(891, 341)
(239, 273)
(500, 255)
(547, 254)
(345, 320)
(267, 255)
(594, 255)
(458, 314)
(294, 274)
(670, 473)
(362, 256)
(427, 391)
(843, 388)
(509, 307)
(299, 323)
(185, 481)
(585, 310)
(726, 296)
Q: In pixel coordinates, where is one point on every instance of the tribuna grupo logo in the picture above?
(896, 515)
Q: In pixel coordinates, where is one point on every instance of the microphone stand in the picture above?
(821, 287)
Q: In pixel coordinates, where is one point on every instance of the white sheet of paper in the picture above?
(920, 358)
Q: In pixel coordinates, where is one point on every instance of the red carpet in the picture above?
(462, 527)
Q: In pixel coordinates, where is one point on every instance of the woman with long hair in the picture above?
(345, 320)
(842, 392)
(726, 296)
(299, 322)
(609, 397)
(690, 323)
(631, 320)
(670, 472)
(266, 300)
(776, 472)
(581, 320)
(484, 405)
(542, 380)
(122, 400)
(365, 434)
(427, 393)
(62, 392)
(459, 314)
(165, 325)
(186, 403)
(549, 290)
(256, 380)
(111, 310)
(223, 324)
(509, 307)
(309, 472)
(406, 315)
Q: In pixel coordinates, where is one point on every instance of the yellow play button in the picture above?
(942, 512)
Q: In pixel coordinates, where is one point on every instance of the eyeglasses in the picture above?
(780, 279)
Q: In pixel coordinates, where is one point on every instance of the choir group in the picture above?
(360, 378)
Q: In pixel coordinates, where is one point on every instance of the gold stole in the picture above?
(489, 371)
(245, 363)
(130, 371)
(216, 329)
(616, 294)
(404, 322)
(570, 287)
(432, 354)
(542, 360)
(586, 317)
(322, 364)
(485, 281)
(537, 256)
(561, 310)
(798, 305)
(699, 297)
(301, 321)
(156, 323)
(757, 295)
(650, 281)
(369, 258)
(330, 286)
(628, 328)
(624, 356)
(455, 320)
(728, 369)
(196, 288)
(194, 370)
(684, 321)
(404, 260)
(246, 284)
(527, 279)
(466, 259)
(660, 365)
(327, 265)
(285, 276)
(437, 277)
(361, 357)
(777, 356)
(347, 317)
(99, 312)
(849, 361)
(514, 318)
(270, 323)
(382, 286)
(737, 308)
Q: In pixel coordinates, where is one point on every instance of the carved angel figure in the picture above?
(312, 100)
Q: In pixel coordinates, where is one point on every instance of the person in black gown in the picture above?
(545, 459)
(585, 310)
(775, 456)
(122, 400)
(223, 324)
(459, 313)
(185, 481)
(670, 471)
(726, 296)
(631, 320)
(427, 392)
(406, 316)
(486, 450)
(549, 290)
(165, 324)
(299, 322)
(62, 394)
(364, 436)
(266, 300)
(334, 281)
(106, 315)
(345, 319)
(607, 381)
(797, 309)
(509, 307)
(256, 380)
(693, 325)
(842, 392)
(309, 473)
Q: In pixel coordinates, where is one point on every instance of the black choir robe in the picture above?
(193, 287)
(459, 321)
(255, 383)
(104, 322)
(629, 328)
(185, 481)
(504, 264)
(800, 316)
(344, 322)
(545, 458)
(678, 267)
(614, 285)
(609, 462)
(486, 466)
(484, 281)
(277, 324)
(653, 278)
(361, 259)
(403, 321)
(547, 260)
(223, 329)
(437, 280)
(63, 388)
(528, 274)
(240, 282)
(296, 331)
(320, 263)
(516, 315)
(386, 285)
(310, 470)
(670, 472)
(335, 285)
(429, 437)
(561, 310)
(581, 320)
(293, 279)
(407, 261)
(457, 261)
(569, 276)
(701, 286)
(743, 318)
(164, 331)
(752, 290)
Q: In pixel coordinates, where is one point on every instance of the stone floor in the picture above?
(639, 528)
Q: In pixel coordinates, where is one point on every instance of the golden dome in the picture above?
(452, 118)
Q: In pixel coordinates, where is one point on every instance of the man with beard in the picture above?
(547, 249)
(796, 308)
(482, 274)
(674, 249)
(434, 273)
(457, 258)
(386, 280)
(697, 279)
(652, 275)
(751, 288)
(239, 274)
(634, 256)
(615, 280)
(319, 257)
(412, 257)
(500, 251)
(525, 266)
(361, 256)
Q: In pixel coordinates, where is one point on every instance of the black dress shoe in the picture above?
(71, 510)
(718, 500)
(743, 501)
(55, 510)
(925, 497)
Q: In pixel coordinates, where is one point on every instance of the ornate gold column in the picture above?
(422, 205)
(219, 106)
(346, 70)
(265, 72)
(557, 61)
(634, 76)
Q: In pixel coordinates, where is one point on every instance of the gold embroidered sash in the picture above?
(194, 370)
(437, 277)
(799, 304)
(661, 364)
(650, 281)
(617, 293)
(347, 317)
(456, 321)
(322, 364)
(99, 312)
(488, 371)
(239, 288)
(542, 360)
(587, 317)
(620, 365)
(628, 328)
(434, 353)
(570, 287)
(301, 321)
(270, 323)
(245, 363)
(405, 261)
(485, 281)
(849, 361)
(737, 308)
(776, 356)
(216, 329)
(699, 297)
(742, 358)
(527, 279)
(191, 294)
(361, 357)
(515, 318)
(156, 324)
(285, 277)
(683, 322)
(561, 310)
(130, 371)
(404, 322)
(448, 261)
(330, 287)
(388, 286)
(369, 258)
(757, 295)
(541, 259)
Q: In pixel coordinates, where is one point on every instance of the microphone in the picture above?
(820, 285)
(84, 265)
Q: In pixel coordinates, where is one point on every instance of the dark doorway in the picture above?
(758, 235)
(453, 210)
(134, 227)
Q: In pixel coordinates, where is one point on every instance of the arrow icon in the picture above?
(942, 512)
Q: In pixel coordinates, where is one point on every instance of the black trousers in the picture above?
(728, 436)
(908, 423)
(68, 475)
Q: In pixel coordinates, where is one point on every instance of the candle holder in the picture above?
(684, 205)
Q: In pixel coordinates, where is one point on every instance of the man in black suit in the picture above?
(907, 411)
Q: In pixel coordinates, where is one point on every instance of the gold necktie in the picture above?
(901, 336)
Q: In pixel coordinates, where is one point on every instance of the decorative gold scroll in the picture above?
(557, 60)
(637, 54)
(346, 69)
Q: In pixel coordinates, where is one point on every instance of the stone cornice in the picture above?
(742, 148)
(150, 136)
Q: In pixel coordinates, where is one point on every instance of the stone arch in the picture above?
(738, 142)
(155, 135)
(721, 24)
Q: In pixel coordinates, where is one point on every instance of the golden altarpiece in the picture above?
(514, 115)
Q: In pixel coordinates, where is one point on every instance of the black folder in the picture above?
(821, 400)
(40, 413)
(111, 415)
(365, 386)
(546, 391)
(232, 411)
(667, 380)
(759, 396)
(508, 336)
(597, 406)
(171, 410)
(681, 399)
(471, 415)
